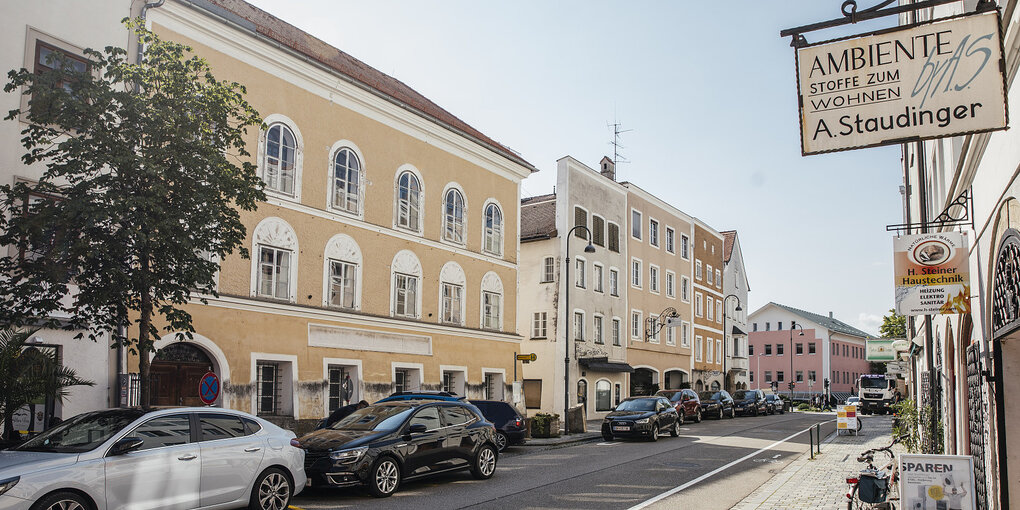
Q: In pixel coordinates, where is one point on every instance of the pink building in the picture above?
(828, 348)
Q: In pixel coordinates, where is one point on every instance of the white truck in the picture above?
(877, 393)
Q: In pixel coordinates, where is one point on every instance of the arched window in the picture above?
(346, 181)
(275, 252)
(453, 216)
(603, 395)
(493, 242)
(451, 294)
(715, 385)
(409, 202)
(342, 276)
(406, 284)
(279, 167)
(492, 301)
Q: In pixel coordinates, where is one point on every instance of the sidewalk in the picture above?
(821, 483)
(594, 432)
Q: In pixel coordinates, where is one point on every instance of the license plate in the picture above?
(621, 428)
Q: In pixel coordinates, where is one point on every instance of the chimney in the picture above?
(830, 315)
(608, 168)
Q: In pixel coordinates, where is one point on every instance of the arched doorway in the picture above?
(675, 380)
(176, 371)
(643, 382)
(715, 386)
(699, 386)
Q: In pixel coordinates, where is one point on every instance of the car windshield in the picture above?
(744, 395)
(81, 433)
(641, 404)
(710, 395)
(853, 399)
(375, 417)
(673, 396)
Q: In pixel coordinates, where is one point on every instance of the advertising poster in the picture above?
(928, 81)
(846, 418)
(942, 482)
(880, 349)
(932, 274)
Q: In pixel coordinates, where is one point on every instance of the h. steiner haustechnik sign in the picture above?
(929, 81)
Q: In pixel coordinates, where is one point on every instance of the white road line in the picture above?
(664, 495)
(776, 456)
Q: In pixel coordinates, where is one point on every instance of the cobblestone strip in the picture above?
(821, 483)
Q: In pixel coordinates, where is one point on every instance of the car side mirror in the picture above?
(126, 445)
(417, 428)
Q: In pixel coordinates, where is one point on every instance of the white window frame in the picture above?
(617, 331)
(418, 368)
(698, 274)
(331, 180)
(274, 232)
(418, 229)
(578, 324)
(718, 278)
(639, 224)
(719, 311)
(299, 154)
(501, 372)
(618, 239)
(718, 351)
(637, 331)
(671, 284)
(635, 276)
(653, 233)
(709, 308)
(580, 278)
(671, 240)
(685, 337)
(278, 254)
(598, 330)
(548, 270)
(699, 310)
(460, 382)
(653, 278)
(685, 246)
(341, 248)
(685, 289)
(654, 337)
(598, 274)
(614, 282)
(699, 348)
(454, 187)
(708, 274)
(455, 302)
(708, 353)
(539, 325)
(492, 283)
(670, 336)
(353, 367)
(291, 383)
(497, 233)
(405, 263)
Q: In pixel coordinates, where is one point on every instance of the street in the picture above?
(613, 474)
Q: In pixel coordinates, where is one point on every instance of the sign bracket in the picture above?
(655, 325)
(952, 215)
(851, 16)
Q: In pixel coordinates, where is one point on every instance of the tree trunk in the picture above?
(8, 425)
(144, 342)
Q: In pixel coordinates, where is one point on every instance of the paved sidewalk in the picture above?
(594, 431)
(821, 483)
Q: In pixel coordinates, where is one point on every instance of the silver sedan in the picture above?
(182, 458)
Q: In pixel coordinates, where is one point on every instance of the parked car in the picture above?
(853, 401)
(385, 444)
(686, 403)
(422, 395)
(776, 403)
(750, 402)
(717, 404)
(509, 423)
(188, 457)
(641, 417)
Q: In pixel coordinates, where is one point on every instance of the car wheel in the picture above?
(62, 501)
(733, 413)
(654, 436)
(675, 431)
(756, 411)
(681, 417)
(385, 477)
(501, 441)
(484, 465)
(697, 417)
(272, 491)
(607, 437)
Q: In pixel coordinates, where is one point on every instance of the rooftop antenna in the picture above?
(617, 157)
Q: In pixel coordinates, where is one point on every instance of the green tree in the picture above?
(28, 374)
(145, 175)
(893, 326)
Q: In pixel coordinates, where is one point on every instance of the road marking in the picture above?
(776, 456)
(664, 495)
(613, 443)
(292, 507)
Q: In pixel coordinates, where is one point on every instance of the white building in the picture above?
(735, 289)
(592, 326)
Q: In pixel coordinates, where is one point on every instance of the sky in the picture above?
(707, 93)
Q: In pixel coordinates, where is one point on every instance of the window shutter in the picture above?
(614, 237)
(580, 218)
(598, 230)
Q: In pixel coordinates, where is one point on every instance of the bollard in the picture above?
(818, 434)
(811, 442)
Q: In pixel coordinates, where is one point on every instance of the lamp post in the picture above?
(725, 340)
(569, 322)
(792, 377)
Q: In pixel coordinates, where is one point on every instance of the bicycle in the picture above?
(871, 488)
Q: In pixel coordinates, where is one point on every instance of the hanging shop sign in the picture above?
(932, 274)
(934, 80)
(880, 349)
(937, 481)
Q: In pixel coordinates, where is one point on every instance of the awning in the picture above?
(604, 365)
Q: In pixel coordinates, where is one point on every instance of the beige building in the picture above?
(707, 286)
(659, 286)
(386, 252)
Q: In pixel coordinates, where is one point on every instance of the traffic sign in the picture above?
(527, 357)
(209, 388)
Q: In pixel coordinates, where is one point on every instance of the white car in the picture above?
(181, 458)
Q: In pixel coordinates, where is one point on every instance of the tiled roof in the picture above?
(538, 217)
(727, 248)
(827, 322)
(314, 48)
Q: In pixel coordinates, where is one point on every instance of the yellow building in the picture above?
(708, 307)
(387, 250)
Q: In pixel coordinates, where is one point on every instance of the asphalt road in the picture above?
(715, 463)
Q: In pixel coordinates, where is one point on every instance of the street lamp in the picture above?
(725, 340)
(792, 377)
(570, 321)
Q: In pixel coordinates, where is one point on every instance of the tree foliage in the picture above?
(893, 326)
(28, 374)
(146, 173)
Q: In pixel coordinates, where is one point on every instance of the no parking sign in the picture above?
(209, 388)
